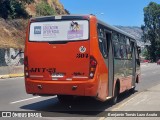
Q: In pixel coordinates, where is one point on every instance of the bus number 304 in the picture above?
(82, 56)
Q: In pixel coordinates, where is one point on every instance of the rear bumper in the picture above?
(84, 88)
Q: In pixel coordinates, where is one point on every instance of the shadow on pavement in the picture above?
(82, 106)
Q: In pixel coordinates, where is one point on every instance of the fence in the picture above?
(11, 62)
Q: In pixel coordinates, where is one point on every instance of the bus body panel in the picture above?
(102, 72)
(46, 59)
(84, 88)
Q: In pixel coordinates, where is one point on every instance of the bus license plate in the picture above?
(57, 75)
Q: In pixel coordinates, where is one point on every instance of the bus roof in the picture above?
(59, 17)
(116, 29)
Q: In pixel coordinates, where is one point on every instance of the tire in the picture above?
(65, 98)
(132, 90)
(115, 97)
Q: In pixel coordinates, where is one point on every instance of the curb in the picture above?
(11, 75)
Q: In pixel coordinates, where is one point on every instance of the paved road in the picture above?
(14, 98)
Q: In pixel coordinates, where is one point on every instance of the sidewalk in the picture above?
(11, 71)
(148, 100)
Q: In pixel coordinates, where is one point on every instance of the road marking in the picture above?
(25, 100)
(101, 118)
(9, 79)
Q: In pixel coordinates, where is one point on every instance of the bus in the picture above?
(79, 55)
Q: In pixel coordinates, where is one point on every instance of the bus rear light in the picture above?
(91, 75)
(26, 74)
(93, 64)
(92, 69)
(26, 61)
(26, 67)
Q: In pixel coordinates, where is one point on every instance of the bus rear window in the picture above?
(59, 31)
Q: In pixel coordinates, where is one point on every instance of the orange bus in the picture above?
(79, 55)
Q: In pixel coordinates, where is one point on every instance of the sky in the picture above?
(113, 12)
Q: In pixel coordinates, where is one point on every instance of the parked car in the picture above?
(146, 61)
(158, 62)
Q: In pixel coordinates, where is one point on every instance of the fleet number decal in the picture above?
(82, 56)
(42, 70)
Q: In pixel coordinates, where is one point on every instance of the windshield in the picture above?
(59, 31)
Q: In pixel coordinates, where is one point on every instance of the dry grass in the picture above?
(12, 33)
(57, 6)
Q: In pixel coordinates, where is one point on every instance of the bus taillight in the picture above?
(93, 64)
(26, 67)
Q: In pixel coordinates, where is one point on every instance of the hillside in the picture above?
(12, 32)
(58, 7)
(133, 30)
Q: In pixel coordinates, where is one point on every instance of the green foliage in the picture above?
(151, 29)
(146, 54)
(14, 8)
(44, 9)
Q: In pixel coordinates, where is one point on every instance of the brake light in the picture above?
(93, 62)
(26, 70)
(93, 65)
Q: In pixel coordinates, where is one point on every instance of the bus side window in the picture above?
(116, 50)
(122, 39)
(137, 55)
(128, 49)
(122, 51)
(131, 48)
(102, 41)
(116, 46)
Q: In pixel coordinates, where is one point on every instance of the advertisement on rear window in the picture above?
(59, 31)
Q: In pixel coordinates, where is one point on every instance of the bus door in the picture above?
(133, 63)
(109, 62)
(105, 45)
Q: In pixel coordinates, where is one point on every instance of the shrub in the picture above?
(44, 9)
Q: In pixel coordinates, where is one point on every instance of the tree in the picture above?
(151, 29)
(14, 8)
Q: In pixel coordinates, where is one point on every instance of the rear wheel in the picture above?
(65, 98)
(132, 90)
(115, 97)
